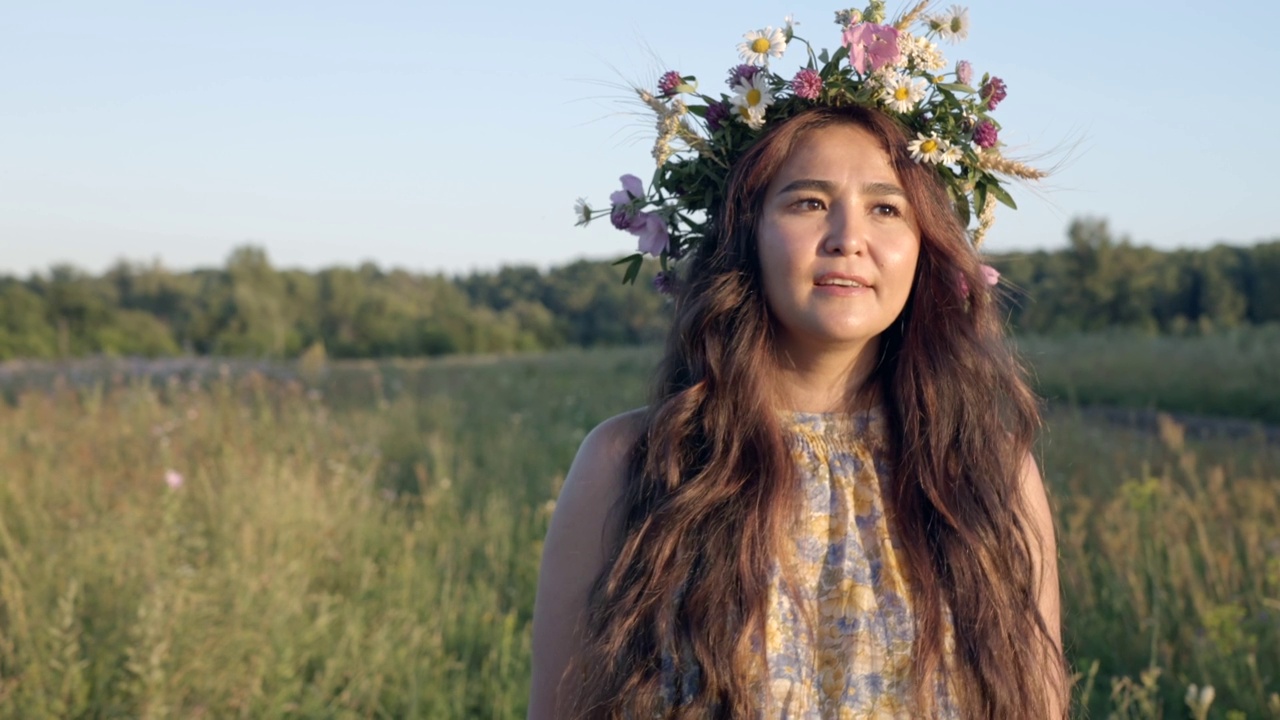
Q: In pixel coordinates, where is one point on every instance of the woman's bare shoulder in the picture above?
(599, 470)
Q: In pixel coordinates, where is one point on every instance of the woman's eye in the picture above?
(887, 210)
(809, 204)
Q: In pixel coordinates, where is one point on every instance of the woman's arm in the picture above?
(580, 536)
(1044, 560)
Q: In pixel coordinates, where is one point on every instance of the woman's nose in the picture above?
(844, 233)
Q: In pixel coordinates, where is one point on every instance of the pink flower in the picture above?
(993, 92)
(990, 275)
(651, 229)
(668, 83)
(985, 134)
(871, 46)
(173, 479)
(807, 84)
(964, 72)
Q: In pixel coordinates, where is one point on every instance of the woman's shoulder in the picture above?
(598, 473)
(613, 439)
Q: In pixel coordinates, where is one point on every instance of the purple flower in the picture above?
(990, 274)
(964, 72)
(623, 214)
(993, 92)
(717, 113)
(651, 229)
(740, 73)
(871, 46)
(807, 84)
(668, 83)
(664, 283)
(985, 134)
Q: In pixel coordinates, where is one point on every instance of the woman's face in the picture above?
(838, 243)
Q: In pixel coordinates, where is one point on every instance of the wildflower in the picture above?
(651, 229)
(789, 24)
(807, 84)
(669, 83)
(740, 73)
(993, 92)
(173, 479)
(927, 149)
(751, 99)
(664, 283)
(920, 51)
(583, 211)
(986, 135)
(871, 46)
(623, 214)
(990, 274)
(951, 156)
(902, 93)
(717, 113)
(846, 18)
(952, 25)
(964, 72)
(760, 45)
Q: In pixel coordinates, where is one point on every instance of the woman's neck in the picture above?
(825, 381)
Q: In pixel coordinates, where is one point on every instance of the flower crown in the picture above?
(878, 65)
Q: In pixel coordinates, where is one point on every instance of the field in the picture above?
(361, 540)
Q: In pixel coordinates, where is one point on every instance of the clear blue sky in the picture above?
(449, 137)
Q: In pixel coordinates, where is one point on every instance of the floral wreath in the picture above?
(878, 65)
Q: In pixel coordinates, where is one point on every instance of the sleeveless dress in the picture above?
(855, 664)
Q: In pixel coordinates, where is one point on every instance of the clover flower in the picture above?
(807, 84)
(741, 72)
(669, 82)
(952, 25)
(717, 113)
(927, 148)
(985, 134)
(760, 45)
(964, 72)
(751, 98)
(993, 92)
(871, 46)
(902, 93)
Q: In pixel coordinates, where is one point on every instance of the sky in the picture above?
(453, 138)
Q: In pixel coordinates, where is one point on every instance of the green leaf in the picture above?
(1002, 195)
(956, 87)
(699, 110)
(632, 269)
(824, 57)
(961, 201)
(979, 196)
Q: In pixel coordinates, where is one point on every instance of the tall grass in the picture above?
(365, 545)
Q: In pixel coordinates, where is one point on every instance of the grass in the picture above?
(364, 543)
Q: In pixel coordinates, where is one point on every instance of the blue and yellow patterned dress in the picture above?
(856, 663)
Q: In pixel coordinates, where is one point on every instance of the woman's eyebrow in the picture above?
(826, 186)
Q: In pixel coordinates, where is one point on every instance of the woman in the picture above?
(829, 509)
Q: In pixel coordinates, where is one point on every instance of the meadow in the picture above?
(361, 540)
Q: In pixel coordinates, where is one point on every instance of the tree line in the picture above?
(249, 308)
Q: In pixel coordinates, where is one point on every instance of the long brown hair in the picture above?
(712, 491)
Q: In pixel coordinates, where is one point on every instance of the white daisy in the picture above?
(789, 24)
(952, 155)
(927, 149)
(583, 211)
(952, 25)
(902, 93)
(760, 45)
(751, 98)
